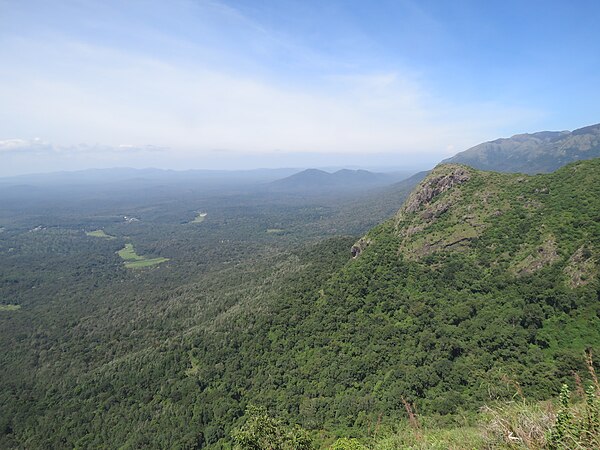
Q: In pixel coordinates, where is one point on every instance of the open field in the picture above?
(10, 307)
(145, 263)
(135, 261)
(99, 234)
(199, 218)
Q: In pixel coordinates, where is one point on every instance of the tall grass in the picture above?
(572, 423)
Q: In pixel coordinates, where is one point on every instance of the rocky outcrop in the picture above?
(581, 268)
(437, 199)
(359, 247)
(442, 179)
(542, 256)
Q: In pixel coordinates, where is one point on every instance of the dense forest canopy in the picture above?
(481, 285)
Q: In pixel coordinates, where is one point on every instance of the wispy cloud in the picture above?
(71, 89)
(132, 98)
(40, 147)
(24, 146)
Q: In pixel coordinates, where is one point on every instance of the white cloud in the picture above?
(126, 104)
(35, 145)
(143, 101)
(10, 145)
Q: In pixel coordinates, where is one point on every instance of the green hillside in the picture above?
(482, 285)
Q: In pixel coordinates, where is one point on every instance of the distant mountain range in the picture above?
(125, 174)
(541, 152)
(342, 180)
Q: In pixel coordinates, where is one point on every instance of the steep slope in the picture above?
(533, 153)
(482, 285)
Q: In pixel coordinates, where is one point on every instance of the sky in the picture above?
(236, 84)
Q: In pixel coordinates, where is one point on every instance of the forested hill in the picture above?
(533, 153)
(481, 285)
(482, 282)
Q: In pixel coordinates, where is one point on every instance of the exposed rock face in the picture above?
(542, 256)
(581, 268)
(360, 245)
(424, 207)
(442, 179)
(435, 199)
(455, 205)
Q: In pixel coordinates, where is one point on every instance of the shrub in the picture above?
(263, 432)
(347, 444)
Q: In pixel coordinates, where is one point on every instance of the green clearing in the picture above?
(199, 218)
(99, 234)
(135, 261)
(10, 307)
(145, 263)
(275, 230)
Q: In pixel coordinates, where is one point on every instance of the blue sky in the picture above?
(243, 84)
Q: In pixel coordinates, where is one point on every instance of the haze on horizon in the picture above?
(239, 85)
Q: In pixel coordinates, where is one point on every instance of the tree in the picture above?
(263, 432)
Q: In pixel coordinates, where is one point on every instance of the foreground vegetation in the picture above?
(565, 424)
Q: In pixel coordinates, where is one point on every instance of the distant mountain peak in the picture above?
(314, 180)
(310, 171)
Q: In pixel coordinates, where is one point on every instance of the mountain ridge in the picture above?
(539, 152)
(340, 180)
